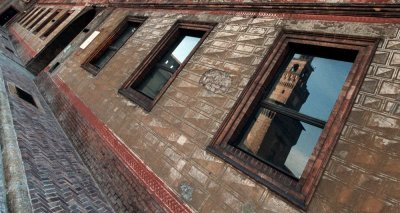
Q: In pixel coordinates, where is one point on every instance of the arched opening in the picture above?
(60, 41)
(7, 15)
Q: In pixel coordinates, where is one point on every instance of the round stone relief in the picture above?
(216, 81)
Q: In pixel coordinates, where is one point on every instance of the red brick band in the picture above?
(154, 185)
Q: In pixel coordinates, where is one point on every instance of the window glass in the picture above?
(125, 35)
(308, 86)
(101, 60)
(170, 62)
(279, 140)
(311, 86)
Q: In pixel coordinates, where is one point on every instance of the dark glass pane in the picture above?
(117, 43)
(154, 82)
(101, 61)
(124, 36)
(281, 141)
(310, 85)
(162, 71)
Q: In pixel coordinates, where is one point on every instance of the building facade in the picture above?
(224, 106)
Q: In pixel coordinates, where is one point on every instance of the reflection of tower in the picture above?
(272, 135)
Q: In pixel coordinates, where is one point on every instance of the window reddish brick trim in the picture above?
(298, 191)
(153, 58)
(100, 50)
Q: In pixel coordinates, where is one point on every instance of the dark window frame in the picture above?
(109, 40)
(153, 58)
(299, 191)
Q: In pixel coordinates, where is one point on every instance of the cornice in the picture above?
(380, 10)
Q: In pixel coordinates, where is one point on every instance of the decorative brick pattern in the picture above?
(362, 173)
(171, 140)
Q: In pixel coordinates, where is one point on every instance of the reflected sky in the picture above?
(324, 86)
(184, 48)
(300, 153)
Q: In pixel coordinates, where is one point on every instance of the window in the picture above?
(46, 21)
(39, 11)
(157, 72)
(9, 50)
(284, 125)
(28, 15)
(39, 19)
(105, 52)
(54, 67)
(35, 18)
(23, 95)
(56, 24)
(7, 15)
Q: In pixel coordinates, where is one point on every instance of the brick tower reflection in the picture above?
(273, 135)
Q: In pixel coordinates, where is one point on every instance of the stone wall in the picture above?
(363, 172)
(218, 1)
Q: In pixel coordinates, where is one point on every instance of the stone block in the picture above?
(213, 165)
(384, 124)
(391, 90)
(370, 85)
(371, 205)
(381, 57)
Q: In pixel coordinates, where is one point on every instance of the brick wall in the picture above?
(124, 192)
(362, 174)
(56, 177)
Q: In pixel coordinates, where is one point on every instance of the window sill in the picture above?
(138, 98)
